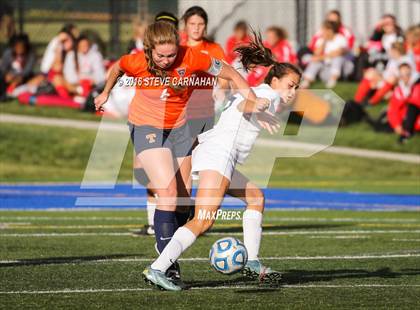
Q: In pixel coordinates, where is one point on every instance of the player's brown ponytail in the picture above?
(256, 54)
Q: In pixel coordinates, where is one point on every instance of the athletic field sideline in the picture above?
(329, 259)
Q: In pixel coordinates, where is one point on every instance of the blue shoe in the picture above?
(255, 270)
(159, 279)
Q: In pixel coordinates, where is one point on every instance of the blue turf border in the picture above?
(123, 196)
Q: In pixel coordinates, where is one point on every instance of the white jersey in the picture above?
(230, 141)
(391, 69)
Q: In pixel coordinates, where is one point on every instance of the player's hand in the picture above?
(268, 121)
(262, 104)
(100, 100)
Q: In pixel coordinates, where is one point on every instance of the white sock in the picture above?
(251, 223)
(181, 240)
(151, 207)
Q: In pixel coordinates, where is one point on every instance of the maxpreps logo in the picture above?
(219, 215)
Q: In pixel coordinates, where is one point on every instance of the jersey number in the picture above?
(164, 94)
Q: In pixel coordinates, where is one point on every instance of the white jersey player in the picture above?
(232, 138)
(215, 158)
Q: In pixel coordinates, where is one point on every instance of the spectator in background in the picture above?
(239, 37)
(136, 43)
(44, 89)
(305, 53)
(51, 65)
(328, 57)
(386, 32)
(17, 64)
(276, 41)
(334, 16)
(57, 48)
(82, 70)
(7, 23)
(375, 84)
(404, 107)
(412, 37)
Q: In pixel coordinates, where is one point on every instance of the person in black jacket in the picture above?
(17, 64)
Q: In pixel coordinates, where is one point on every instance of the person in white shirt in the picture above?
(328, 58)
(88, 65)
(82, 70)
(62, 42)
(214, 160)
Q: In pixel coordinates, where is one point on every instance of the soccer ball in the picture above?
(228, 255)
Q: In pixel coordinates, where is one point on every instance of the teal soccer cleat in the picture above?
(159, 279)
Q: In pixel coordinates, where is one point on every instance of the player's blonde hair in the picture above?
(158, 33)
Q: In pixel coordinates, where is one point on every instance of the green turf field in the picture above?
(329, 259)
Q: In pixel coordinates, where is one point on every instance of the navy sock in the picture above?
(182, 218)
(165, 226)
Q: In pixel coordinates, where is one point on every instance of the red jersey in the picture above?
(346, 32)
(397, 108)
(233, 43)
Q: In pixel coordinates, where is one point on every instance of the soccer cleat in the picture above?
(173, 274)
(255, 270)
(148, 230)
(157, 278)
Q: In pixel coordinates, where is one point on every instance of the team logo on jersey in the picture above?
(151, 137)
(181, 72)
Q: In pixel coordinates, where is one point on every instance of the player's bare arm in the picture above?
(114, 74)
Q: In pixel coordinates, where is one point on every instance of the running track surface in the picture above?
(123, 196)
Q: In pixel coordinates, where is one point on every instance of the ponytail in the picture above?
(256, 54)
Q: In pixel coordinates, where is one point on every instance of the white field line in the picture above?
(343, 219)
(222, 287)
(70, 218)
(339, 237)
(27, 225)
(205, 259)
(119, 127)
(268, 219)
(407, 240)
(340, 150)
(267, 233)
(13, 225)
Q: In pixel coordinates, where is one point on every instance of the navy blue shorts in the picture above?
(145, 137)
(200, 125)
